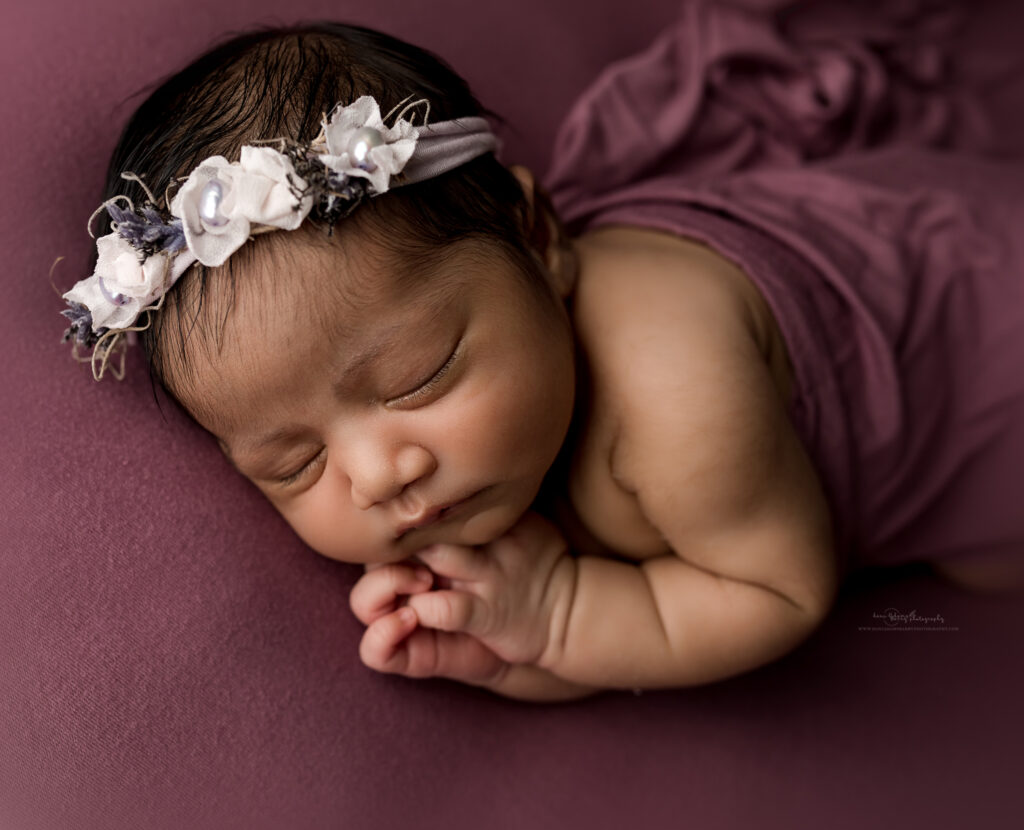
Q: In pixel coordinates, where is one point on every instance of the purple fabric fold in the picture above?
(856, 165)
(732, 86)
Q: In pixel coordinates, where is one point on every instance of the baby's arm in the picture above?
(666, 623)
(531, 615)
(707, 451)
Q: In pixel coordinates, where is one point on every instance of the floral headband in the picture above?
(223, 204)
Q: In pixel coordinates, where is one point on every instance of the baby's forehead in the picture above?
(355, 273)
(312, 309)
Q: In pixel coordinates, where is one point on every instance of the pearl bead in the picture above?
(113, 299)
(209, 204)
(359, 146)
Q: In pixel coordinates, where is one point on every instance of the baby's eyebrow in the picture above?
(358, 364)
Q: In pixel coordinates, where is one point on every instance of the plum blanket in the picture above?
(866, 170)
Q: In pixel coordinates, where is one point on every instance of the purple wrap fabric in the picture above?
(859, 167)
(172, 656)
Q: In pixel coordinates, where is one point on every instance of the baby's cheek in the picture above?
(332, 527)
(488, 422)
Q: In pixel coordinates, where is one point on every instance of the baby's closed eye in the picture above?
(423, 388)
(307, 467)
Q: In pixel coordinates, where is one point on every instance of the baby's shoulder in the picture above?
(653, 314)
(645, 299)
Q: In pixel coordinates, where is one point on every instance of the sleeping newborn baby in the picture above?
(566, 461)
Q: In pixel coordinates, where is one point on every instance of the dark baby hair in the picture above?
(276, 82)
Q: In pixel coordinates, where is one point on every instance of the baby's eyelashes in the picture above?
(423, 390)
(308, 467)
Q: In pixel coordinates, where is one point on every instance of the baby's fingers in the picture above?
(395, 645)
(377, 591)
(383, 647)
(451, 611)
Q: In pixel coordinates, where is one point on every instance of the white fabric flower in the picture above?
(264, 189)
(386, 159)
(122, 284)
(256, 190)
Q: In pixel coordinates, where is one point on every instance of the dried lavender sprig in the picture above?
(146, 230)
(81, 325)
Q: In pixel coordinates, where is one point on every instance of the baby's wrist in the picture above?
(563, 594)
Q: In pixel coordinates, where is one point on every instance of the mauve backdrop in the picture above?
(172, 656)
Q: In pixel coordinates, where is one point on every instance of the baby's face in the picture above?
(391, 418)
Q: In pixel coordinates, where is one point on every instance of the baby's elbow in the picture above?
(800, 616)
(807, 594)
(818, 594)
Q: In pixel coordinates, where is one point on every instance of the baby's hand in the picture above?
(394, 644)
(506, 594)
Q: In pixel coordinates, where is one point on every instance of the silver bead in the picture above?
(209, 204)
(359, 146)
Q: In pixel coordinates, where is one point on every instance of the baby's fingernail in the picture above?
(424, 575)
(406, 615)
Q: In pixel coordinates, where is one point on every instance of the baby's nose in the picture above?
(380, 479)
